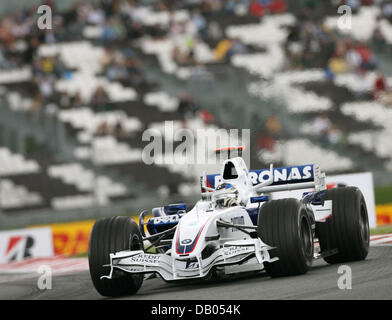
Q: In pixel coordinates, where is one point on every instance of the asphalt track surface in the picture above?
(371, 279)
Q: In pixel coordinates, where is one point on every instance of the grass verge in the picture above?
(383, 195)
(381, 230)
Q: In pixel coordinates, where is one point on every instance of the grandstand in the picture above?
(75, 100)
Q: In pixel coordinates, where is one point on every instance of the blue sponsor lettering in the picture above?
(284, 175)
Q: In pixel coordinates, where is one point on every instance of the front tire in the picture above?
(110, 235)
(348, 228)
(285, 224)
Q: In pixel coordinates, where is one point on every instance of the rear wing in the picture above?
(277, 179)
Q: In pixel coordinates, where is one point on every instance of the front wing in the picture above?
(236, 256)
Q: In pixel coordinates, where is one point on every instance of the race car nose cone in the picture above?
(186, 241)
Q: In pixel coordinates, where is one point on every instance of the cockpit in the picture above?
(225, 195)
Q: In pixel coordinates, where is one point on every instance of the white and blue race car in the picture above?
(234, 228)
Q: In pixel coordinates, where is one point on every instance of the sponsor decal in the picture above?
(284, 175)
(71, 238)
(146, 258)
(186, 241)
(18, 245)
(192, 264)
(166, 219)
(236, 250)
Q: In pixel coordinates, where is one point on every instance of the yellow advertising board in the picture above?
(71, 238)
(384, 214)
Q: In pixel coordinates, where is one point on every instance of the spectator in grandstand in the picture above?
(274, 127)
(200, 23)
(236, 47)
(214, 31)
(119, 130)
(59, 68)
(206, 116)
(386, 98)
(46, 87)
(100, 99)
(222, 50)
(95, 15)
(113, 29)
(256, 8)
(50, 37)
(107, 57)
(65, 100)
(178, 56)
(264, 141)
(183, 57)
(116, 71)
(335, 135)
(378, 39)
(277, 6)
(187, 106)
(229, 6)
(4, 62)
(160, 5)
(387, 10)
(355, 5)
(337, 64)
(353, 57)
(76, 100)
(48, 65)
(307, 8)
(381, 92)
(380, 85)
(36, 104)
(367, 57)
(310, 45)
(103, 129)
(110, 7)
(321, 127)
(120, 67)
(134, 73)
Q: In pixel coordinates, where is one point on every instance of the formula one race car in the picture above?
(234, 228)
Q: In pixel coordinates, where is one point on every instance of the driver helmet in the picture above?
(226, 195)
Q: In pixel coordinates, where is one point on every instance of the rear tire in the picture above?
(111, 235)
(348, 228)
(285, 224)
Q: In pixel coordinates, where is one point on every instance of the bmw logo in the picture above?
(186, 241)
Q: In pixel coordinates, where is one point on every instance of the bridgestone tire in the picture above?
(110, 235)
(348, 228)
(286, 225)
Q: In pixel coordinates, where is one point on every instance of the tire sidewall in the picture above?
(110, 235)
(303, 216)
